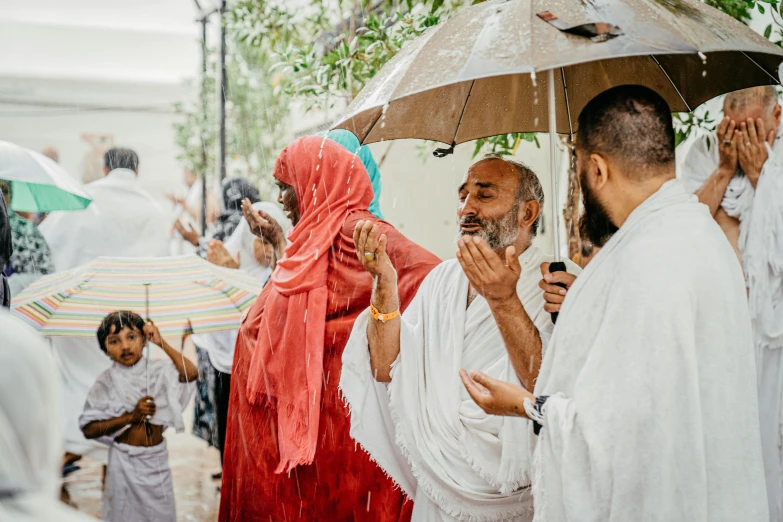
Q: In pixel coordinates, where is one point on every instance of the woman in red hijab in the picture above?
(289, 455)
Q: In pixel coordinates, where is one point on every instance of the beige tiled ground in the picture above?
(192, 464)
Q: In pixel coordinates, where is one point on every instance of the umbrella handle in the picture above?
(557, 266)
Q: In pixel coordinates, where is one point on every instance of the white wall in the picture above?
(99, 66)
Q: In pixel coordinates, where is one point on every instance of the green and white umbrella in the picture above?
(38, 184)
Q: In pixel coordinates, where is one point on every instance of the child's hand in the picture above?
(152, 333)
(144, 408)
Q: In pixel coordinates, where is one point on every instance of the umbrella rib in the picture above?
(671, 82)
(568, 106)
(464, 108)
(754, 62)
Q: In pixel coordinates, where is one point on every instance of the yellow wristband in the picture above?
(383, 317)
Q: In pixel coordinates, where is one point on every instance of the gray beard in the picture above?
(499, 234)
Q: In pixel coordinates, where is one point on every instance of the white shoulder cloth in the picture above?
(652, 412)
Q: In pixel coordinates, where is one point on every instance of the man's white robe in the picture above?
(652, 412)
(423, 429)
(760, 212)
(123, 220)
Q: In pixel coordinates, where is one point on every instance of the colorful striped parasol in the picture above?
(186, 294)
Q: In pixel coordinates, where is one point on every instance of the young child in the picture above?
(129, 414)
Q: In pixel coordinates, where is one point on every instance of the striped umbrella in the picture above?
(181, 294)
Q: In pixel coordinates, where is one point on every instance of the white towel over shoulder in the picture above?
(652, 412)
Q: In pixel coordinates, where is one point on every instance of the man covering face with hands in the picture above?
(740, 177)
(483, 310)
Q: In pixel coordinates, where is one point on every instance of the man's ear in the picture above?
(598, 172)
(776, 112)
(528, 214)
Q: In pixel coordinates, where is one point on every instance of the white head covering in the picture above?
(31, 446)
(242, 240)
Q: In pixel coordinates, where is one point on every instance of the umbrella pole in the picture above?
(147, 426)
(147, 307)
(557, 265)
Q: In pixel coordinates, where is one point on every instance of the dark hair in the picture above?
(120, 158)
(116, 321)
(629, 123)
(5, 189)
(587, 248)
(529, 185)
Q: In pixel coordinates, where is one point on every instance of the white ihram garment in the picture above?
(455, 461)
(30, 438)
(122, 221)
(138, 480)
(652, 412)
(760, 212)
(220, 345)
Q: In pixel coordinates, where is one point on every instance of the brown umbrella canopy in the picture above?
(474, 76)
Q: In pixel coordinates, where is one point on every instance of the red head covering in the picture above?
(287, 364)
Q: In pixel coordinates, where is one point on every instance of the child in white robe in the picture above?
(128, 408)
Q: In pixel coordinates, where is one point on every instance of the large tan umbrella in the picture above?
(475, 75)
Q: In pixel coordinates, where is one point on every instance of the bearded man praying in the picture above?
(456, 462)
(646, 402)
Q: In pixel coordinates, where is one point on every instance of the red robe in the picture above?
(342, 483)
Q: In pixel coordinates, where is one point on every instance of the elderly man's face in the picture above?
(771, 118)
(488, 203)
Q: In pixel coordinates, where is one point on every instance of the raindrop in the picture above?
(394, 203)
(368, 500)
(317, 167)
(533, 78)
(703, 58)
(535, 122)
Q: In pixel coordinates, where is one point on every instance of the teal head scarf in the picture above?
(348, 140)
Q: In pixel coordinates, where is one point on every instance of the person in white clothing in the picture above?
(646, 403)
(189, 211)
(128, 408)
(453, 460)
(738, 173)
(30, 436)
(123, 220)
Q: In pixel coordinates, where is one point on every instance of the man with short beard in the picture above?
(456, 462)
(645, 406)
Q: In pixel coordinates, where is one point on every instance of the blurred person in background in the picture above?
(31, 258)
(233, 191)
(188, 211)
(252, 255)
(123, 220)
(30, 436)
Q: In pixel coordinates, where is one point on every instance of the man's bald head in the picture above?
(756, 103)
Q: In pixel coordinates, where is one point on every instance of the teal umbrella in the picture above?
(38, 184)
